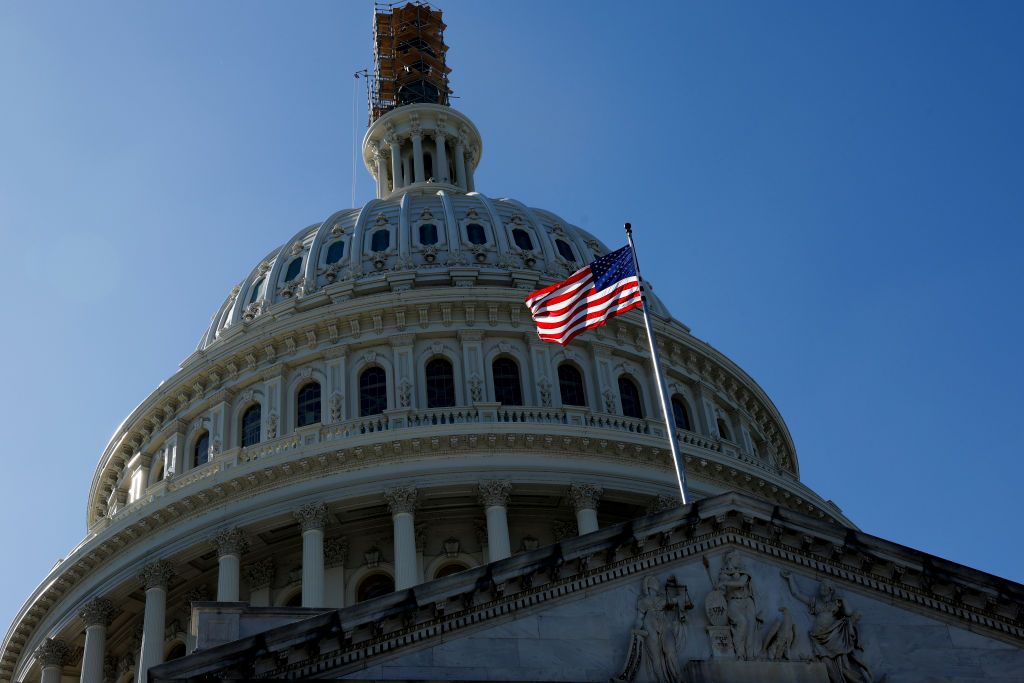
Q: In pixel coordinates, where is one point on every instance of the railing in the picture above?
(493, 415)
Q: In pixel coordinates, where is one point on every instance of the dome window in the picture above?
(335, 251)
(629, 396)
(507, 389)
(428, 234)
(257, 290)
(201, 451)
(294, 268)
(251, 425)
(565, 251)
(723, 430)
(570, 384)
(475, 234)
(380, 241)
(449, 569)
(681, 414)
(307, 405)
(440, 384)
(522, 239)
(373, 392)
(374, 586)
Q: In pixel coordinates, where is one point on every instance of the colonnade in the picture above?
(408, 167)
(318, 560)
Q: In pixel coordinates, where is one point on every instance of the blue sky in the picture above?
(829, 193)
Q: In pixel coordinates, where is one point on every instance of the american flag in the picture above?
(607, 287)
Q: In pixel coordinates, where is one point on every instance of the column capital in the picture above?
(230, 542)
(336, 552)
(401, 499)
(53, 652)
(156, 574)
(661, 502)
(260, 574)
(585, 496)
(495, 492)
(98, 612)
(311, 516)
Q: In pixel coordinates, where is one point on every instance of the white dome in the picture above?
(423, 237)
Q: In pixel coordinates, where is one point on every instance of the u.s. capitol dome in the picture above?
(370, 408)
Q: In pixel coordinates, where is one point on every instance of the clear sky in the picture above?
(829, 193)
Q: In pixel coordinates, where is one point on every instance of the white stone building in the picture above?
(372, 468)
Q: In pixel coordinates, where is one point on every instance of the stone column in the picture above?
(382, 172)
(259, 576)
(402, 503)
(312, 517)
(470, 184)
(417, 155)
(396, 163)
(231, 543)
(154, 578)
(52, 655)
(494, 496)
(97, 616)
(584, 498)
(335, 557)
(440, 156)
(460, 164)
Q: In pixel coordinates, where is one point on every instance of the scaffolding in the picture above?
(409, 57)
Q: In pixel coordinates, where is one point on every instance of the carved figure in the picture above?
(781, 637)
(336, 405)
(833, 634)
(743, 616)
(272, 426)
(657, 637)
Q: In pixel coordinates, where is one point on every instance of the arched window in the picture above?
(428, 234)
(251, 425)
(522, 239)
(475, 234)
(723, 430)
(507, 389)
(570, 384)
(335, 251)
(681, 414)
(373, 391)
(565, 250)
(381, 240)
(293, 270)
(201, 451)
(374, 586)
(629, 394)
(257, 290)
(440, 384)
(294, 600)
(449, 569)
(307, 405)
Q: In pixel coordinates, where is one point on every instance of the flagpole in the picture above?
(659, 376)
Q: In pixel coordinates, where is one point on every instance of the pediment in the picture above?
(728, 589)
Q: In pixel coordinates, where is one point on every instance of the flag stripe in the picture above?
(567, 308)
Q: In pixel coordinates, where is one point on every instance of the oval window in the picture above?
(335, 252)
(293, 270)
(522, 239)
(475, 234)
(380, 241)
(565, 250)
(428, 234)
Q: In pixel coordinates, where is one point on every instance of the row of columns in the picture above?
(231, 544)
(390, 150)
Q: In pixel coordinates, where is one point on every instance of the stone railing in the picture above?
(489, 416)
